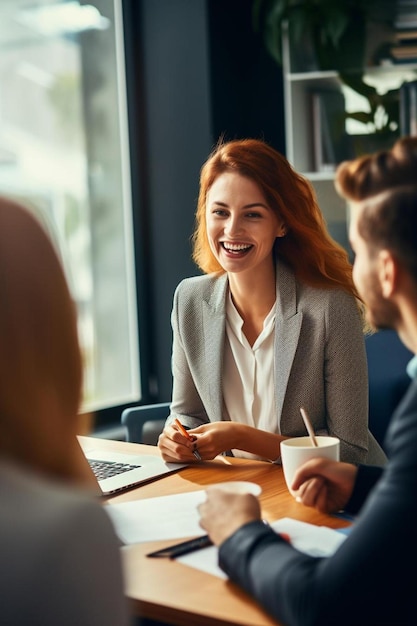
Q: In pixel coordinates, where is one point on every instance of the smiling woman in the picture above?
(241, 235)
(241, 228)
(274, 324)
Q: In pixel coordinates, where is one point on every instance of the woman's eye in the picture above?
(220, 212)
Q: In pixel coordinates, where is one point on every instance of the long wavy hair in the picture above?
(315, 258)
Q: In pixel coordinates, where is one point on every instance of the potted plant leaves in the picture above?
(333, 35)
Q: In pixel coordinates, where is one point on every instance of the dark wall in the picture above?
(246, 83)
(169, 102)
(196, 70)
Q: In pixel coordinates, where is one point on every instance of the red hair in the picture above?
(315, 258)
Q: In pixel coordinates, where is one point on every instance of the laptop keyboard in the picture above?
(107, 469)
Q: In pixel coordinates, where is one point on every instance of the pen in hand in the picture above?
(186, 434)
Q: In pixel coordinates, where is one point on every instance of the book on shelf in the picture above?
(404, 35)
(404, 53)
(330, 140)
(408, 108)
(404, 48)
(406, 17)
(406, 23)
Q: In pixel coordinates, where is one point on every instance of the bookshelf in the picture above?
(318, 134)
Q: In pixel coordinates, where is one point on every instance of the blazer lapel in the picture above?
(214, 324)
(287, 332)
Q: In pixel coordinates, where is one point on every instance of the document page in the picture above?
(166, 517)
(308, 538)
(175, 517)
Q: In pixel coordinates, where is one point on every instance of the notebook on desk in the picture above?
(117, 471)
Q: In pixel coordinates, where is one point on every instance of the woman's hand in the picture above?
(324, 484)
(223, 513)
(215, 438)
(209, 440)
(175, 447)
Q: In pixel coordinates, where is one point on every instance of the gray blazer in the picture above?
(320, 360)
(60, 557)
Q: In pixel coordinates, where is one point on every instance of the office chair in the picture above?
(388, 379)
(145, 423)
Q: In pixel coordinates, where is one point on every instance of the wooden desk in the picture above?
(168, 591)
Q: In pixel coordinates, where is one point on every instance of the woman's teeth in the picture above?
(238, 247)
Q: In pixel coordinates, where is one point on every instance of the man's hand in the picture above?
(223, 513)
(324, 484)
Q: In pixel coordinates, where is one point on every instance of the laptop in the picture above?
(117, 471)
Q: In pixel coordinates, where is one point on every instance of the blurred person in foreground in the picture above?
(60, 560)
(368, 579)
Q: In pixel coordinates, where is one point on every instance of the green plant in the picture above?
(337, 32)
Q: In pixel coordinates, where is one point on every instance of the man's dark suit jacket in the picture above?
(371, 579)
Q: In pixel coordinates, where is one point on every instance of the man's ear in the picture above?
(388, 273)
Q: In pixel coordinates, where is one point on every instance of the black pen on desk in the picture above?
(186, 434)
(184, 547)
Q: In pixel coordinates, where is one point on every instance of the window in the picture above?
(64, 154)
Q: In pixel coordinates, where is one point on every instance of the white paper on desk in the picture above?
(205, 560)
(308, 538)
(166, 517)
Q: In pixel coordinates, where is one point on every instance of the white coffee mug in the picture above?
(297, 450)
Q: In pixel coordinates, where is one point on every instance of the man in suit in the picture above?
(367, 580)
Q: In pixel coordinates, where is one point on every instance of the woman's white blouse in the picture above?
(248, 374)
